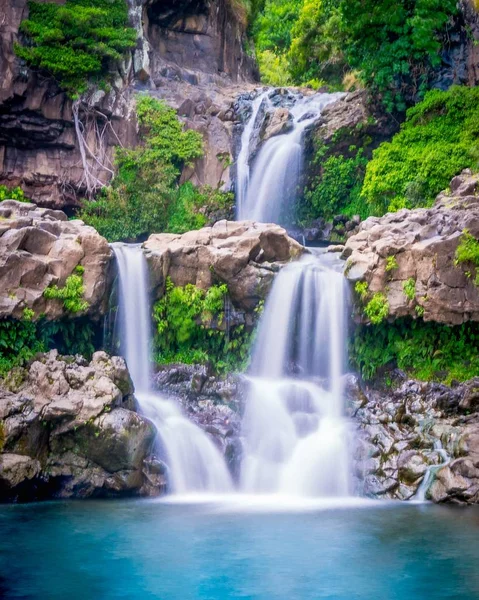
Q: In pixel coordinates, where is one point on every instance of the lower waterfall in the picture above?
(296, 438)
(195, 464)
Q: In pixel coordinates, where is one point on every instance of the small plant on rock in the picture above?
(362, 290)
(71, 293)
(377, 309)
(409, 288)
(391, 264)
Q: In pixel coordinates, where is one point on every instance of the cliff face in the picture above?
(205, 37)
(186, 42)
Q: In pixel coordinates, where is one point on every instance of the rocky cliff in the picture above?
(69, 428)
(183, 48)
(420, 246)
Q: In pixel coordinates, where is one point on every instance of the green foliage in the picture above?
(362, 290)
(337, 188)
(439, 138)
(272, 35)
(190, 328)
(427, 351)
(377, 309)
(18, 343)
(317, 46)
(77, 42)
(273, 68)
(21, 340)
(392, 49)
(145, 195)
(409, 288)
(467, 250)
(391, 264)
(71, 293)
(194, 206)
(15, 193)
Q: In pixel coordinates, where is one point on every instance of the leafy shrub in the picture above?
(337, 188)
(15, 193)
(190, 328)
(18, 342)
(145, 196)
(427, 351)
(468, 250)
(77, 42)
(377, 309)
(439, 139)
(21, 340)
(392, 52)
(71, 293)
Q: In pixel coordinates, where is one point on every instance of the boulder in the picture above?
(242, 254)
(278, 122)
(39, 248)
(68, 428)
(423, 243)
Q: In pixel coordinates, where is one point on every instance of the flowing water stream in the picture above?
(296, 438)
(269, 185)
(195, 464)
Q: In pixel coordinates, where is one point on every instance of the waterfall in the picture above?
(195, 464)
(296, 438)
(272, 184)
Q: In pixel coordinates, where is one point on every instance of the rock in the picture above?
(426, 421)
(39, 248)
(423, 243)
(244, 255)
(277, 123)
(69, 431)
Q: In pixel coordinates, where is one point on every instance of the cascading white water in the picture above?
(296, 439)
(270, 185)
(195, 464)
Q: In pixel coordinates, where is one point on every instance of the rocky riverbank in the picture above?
(69, 429)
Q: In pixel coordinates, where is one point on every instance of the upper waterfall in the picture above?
(195, 464)
(267, 181)
(296, 439)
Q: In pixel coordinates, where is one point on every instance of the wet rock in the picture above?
(428, 427)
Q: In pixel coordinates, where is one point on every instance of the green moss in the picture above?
(426, 351)
(190, 329)
(78, 42)
(71, 294)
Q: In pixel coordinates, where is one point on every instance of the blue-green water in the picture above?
(152, 550)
